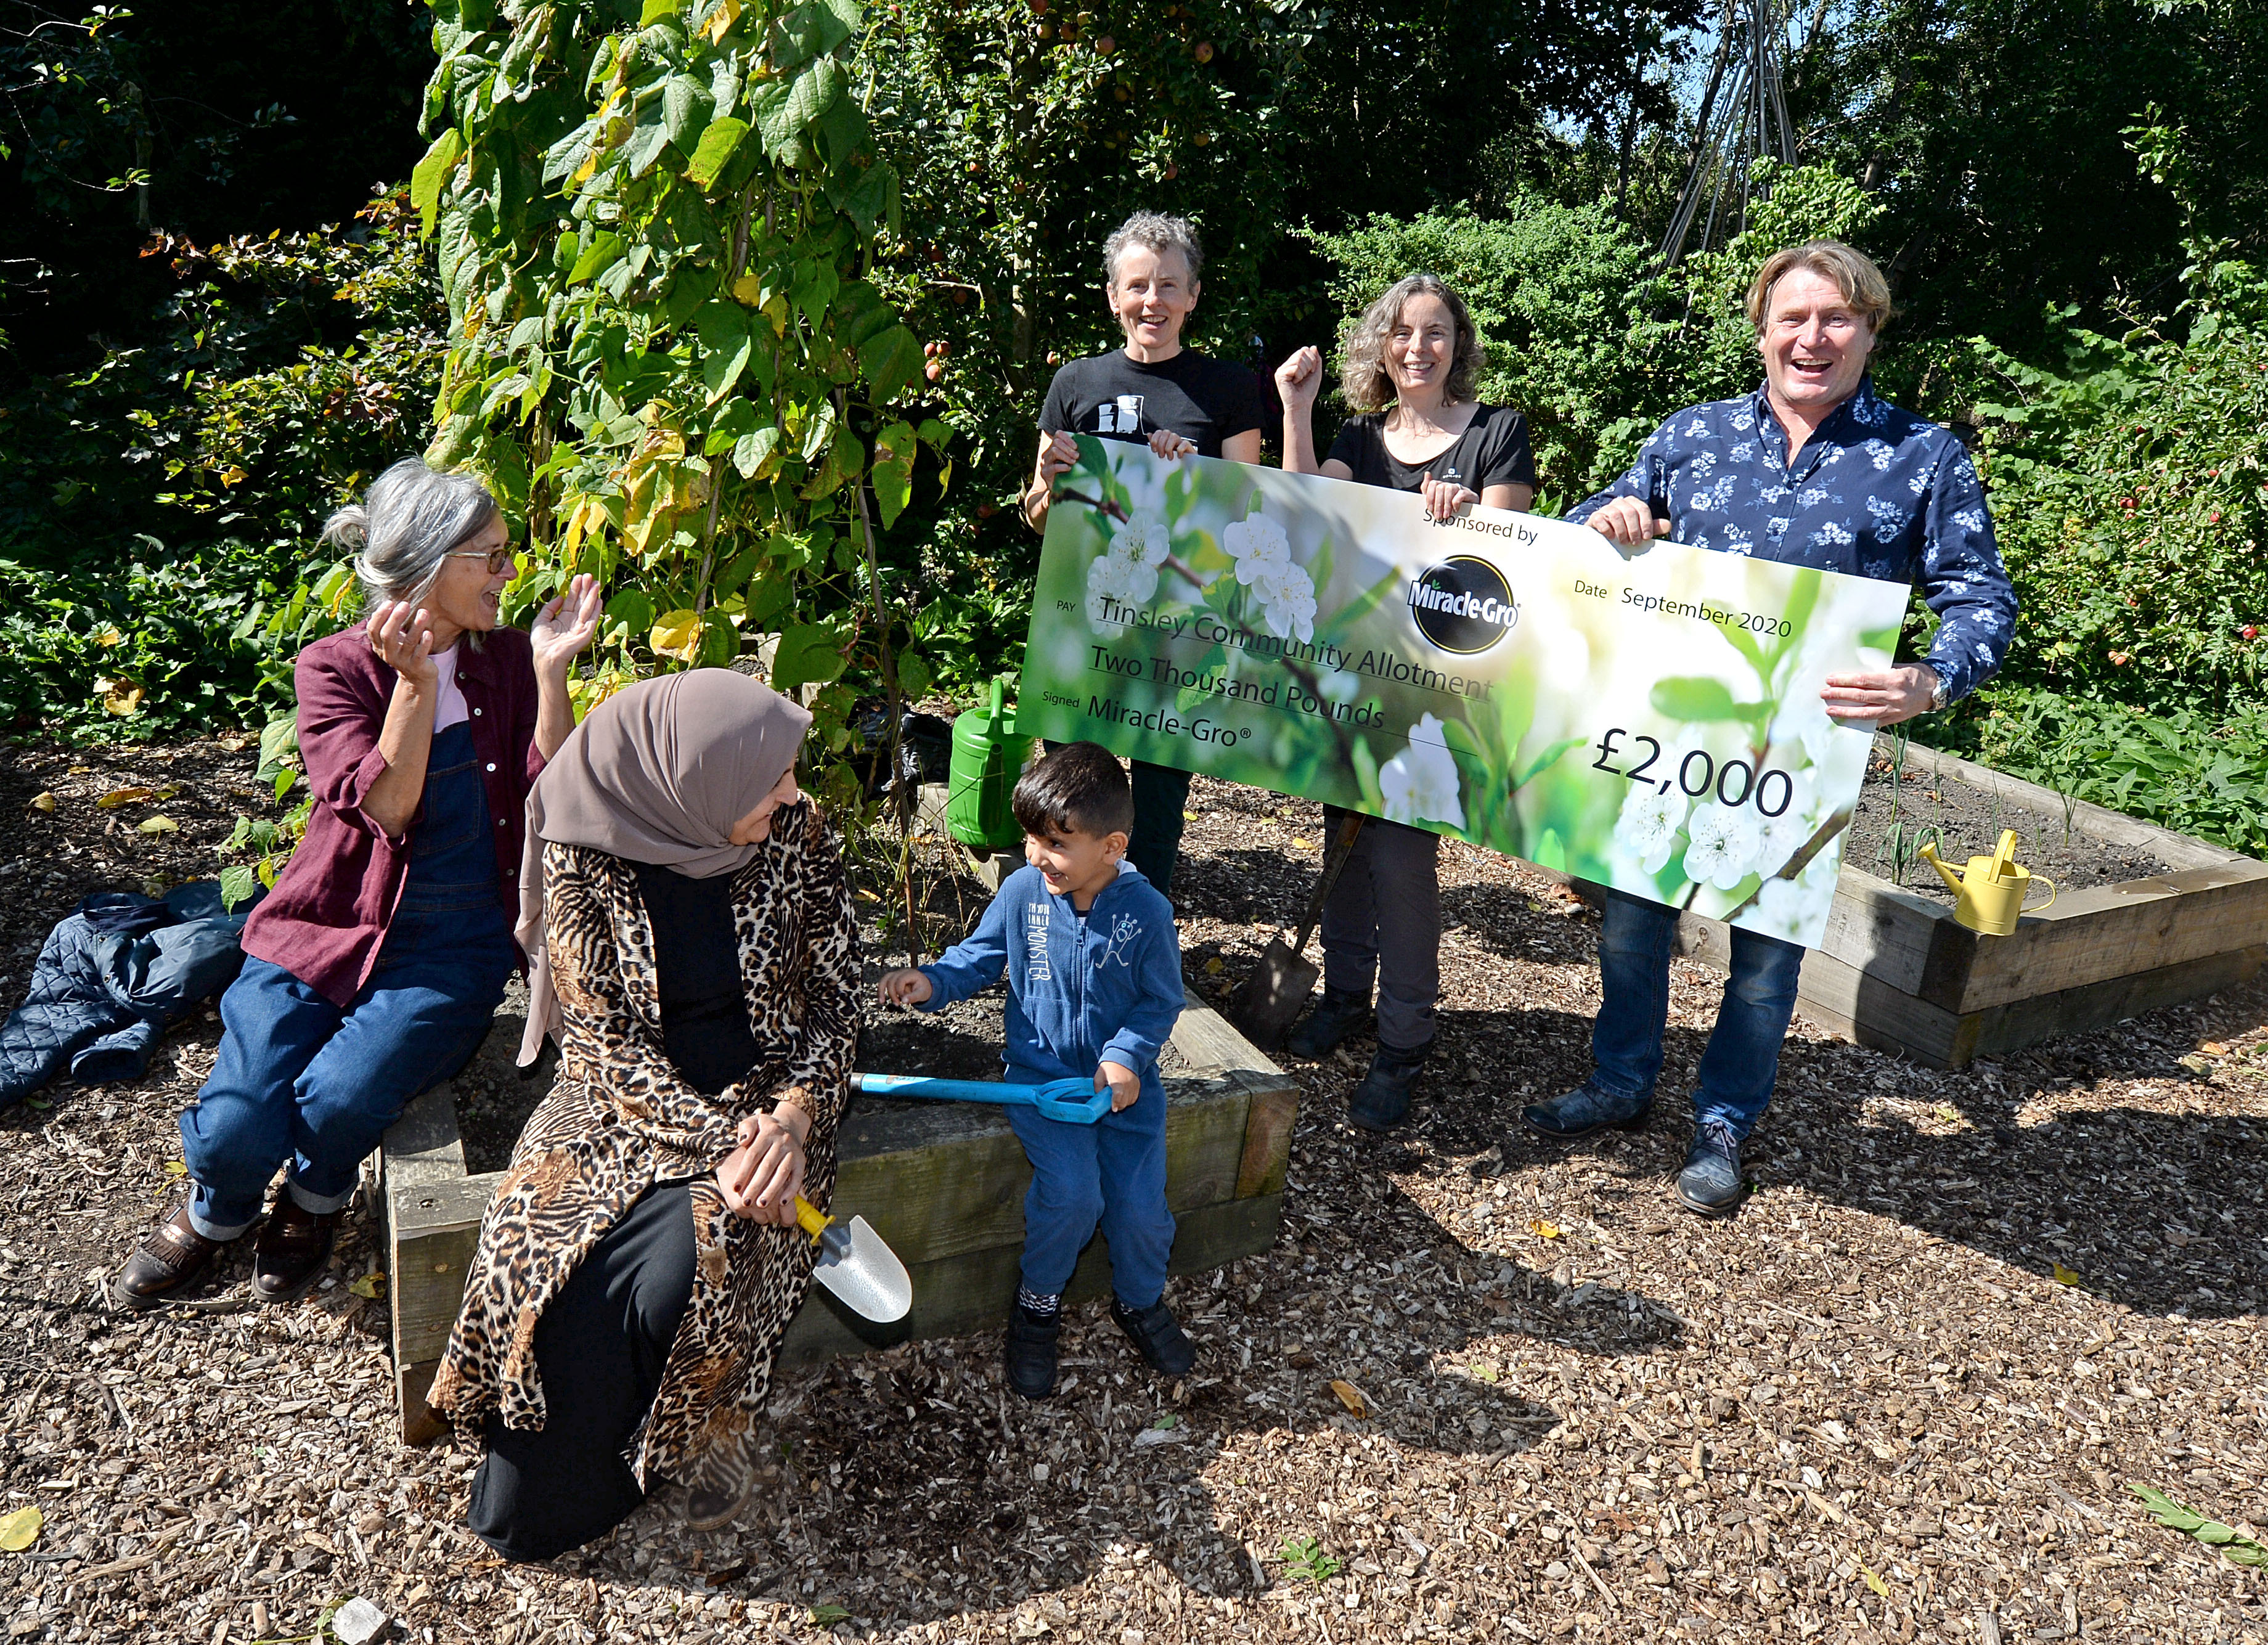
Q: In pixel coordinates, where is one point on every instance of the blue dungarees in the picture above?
(299, 1080)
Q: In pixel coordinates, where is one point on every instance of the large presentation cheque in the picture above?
(1648, 719)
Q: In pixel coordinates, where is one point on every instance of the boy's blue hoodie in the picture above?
(1077, 990)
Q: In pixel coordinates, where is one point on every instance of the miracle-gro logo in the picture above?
(1462, 605)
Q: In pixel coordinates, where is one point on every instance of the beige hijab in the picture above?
(657, 773)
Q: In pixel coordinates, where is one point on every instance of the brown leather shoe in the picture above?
(294, 1245)
(169, 1262)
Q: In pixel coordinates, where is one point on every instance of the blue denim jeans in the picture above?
(1743, 1058)
(1111, 1173)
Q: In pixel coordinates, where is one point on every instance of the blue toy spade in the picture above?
(1076, 1101)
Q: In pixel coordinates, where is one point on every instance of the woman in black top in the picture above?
(1178, 401)
(1412, 361)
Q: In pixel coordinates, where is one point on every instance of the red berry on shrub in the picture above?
(2248, 631)
(985, 511)
(1104, 46)
(932, 371)
(1205, 51)
(2213, 519)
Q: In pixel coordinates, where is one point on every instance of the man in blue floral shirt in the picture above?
(1811, 470)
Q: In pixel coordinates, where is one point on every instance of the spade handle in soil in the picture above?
(1076, 1101)
(1342, 848)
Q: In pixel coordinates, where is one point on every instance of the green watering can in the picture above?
(987, 757)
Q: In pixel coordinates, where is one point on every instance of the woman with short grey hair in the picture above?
(373, 968)
(1154, 391)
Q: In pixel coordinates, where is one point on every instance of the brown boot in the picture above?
(168, 1262)
(294, 1245)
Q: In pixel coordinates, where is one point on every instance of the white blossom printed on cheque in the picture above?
(1723, 844)
(1421, 783)
(1647, 826)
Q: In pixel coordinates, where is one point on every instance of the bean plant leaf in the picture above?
(427, 176)
(600, 252)
(890, 360)
(893, 472)
(677, 634)
(2233, 1543)
(716, 148)
(809, 654)
(725, 346)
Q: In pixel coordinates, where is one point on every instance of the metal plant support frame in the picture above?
(1742, 118)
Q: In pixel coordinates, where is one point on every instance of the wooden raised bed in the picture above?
(943, 1182)
(1899, 973)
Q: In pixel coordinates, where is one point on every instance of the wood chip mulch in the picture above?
(1898, 1397)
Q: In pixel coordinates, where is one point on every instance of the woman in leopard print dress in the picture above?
(640, 1261)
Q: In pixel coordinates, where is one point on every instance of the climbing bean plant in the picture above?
(656, 223)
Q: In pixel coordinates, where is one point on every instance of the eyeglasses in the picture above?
(498, 559)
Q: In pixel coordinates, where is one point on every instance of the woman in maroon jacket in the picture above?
(373, 969)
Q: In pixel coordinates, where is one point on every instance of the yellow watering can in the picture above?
(1988, 895)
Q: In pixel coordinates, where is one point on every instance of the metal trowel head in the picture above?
(865, 1273)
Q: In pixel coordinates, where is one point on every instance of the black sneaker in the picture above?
(1030, 1352)
(1382, 1101)
(1711, 1181)
(1335, 1016)
(1157, 1337)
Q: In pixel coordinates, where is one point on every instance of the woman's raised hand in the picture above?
(564, 627)
(1172, 446)
(1299, 378)
(1444, 497)
(1057, 452)
(402, 637)
(761, 1178)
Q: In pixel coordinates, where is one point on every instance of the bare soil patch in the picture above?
(1902, 805)
(1865, 1408)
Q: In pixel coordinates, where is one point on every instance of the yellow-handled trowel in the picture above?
(855, 1264)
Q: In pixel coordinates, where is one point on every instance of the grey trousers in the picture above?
(1382, 924)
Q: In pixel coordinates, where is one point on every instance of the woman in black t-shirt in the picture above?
(1178, 401)
(1412, 360)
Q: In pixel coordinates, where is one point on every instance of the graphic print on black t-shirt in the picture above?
(1205, 400)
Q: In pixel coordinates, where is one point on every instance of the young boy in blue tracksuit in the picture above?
(1094, 985)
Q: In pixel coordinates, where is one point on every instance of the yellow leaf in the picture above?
(44, 801)
(369, 1285)
(749, 290)
(720, 20)
(122, 697)
(176, 1167)
(158, 825)
(1351, 1397)
(776, 311)
(1882, 1589)
(1947, 1112)
(2063, 1275)
(1302, 844)
(1544, 1230)
(1188, 816)
(118, 797)
(108, 635)
(20, 1529)
(677, 634)
(1212, 966)
(2213, 1048)
(582, 171)
(233, 475)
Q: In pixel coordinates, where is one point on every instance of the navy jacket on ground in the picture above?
(114, 975)
(1078, 991)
